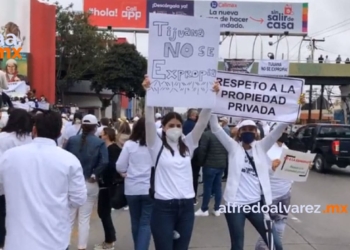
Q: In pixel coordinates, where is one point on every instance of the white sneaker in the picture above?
(199, 212)
(216, 213)
(126, 208)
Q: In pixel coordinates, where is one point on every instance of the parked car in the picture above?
(330, 143)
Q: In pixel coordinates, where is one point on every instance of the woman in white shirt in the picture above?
(281, 190)
(245, 187)
(174, 193)
(135, 164)
(16, 132)
(73, 129)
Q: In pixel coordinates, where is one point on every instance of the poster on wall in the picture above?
(15, 69)
(273, 68)
(244, 18)
(238, 65)
(15, 23)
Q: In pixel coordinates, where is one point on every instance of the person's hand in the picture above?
(302, 99)
(123, 175)
(216, 87)
(275, 164)
(146, 83)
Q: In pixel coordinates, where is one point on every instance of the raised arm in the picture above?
(222, 136)
(267, 142)
(200, 126)
(151, 131)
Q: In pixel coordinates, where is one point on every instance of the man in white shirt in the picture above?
(41, 183)
(158, 117)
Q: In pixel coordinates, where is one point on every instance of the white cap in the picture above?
(224, 119)
(245, 123)
(158, 115)
(135, 119)
(90, 120)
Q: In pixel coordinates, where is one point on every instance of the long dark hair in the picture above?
(77, 116)
(86, 130)
(182, 146)
(139, 132)
(19, 122)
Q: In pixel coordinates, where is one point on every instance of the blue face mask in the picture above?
(247, 137)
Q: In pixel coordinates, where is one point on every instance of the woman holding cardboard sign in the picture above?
(248, 183)
(173, 186)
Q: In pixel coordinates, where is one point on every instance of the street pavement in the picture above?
(303, 232)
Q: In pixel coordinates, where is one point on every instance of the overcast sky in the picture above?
(322, 15)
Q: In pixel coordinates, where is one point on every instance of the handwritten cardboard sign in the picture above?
(182, 63)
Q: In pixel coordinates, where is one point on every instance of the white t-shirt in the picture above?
(249, 190)
(279, 187)
(173, 178)
(71, 131)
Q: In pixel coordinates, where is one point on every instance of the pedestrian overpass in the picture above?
(317, 74)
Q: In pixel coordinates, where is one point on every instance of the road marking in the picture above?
(294, 218)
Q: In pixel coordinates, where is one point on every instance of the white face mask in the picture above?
(173, 134)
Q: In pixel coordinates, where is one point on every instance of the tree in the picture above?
(122, 70)
(79, 47)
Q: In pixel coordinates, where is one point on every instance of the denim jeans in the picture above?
(236, 223)
(280, 220)
(212, 185)
(140, 208)
(169, 216)
(104, 209)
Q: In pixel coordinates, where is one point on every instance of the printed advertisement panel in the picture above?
(256, 17)
(15, 69)
(185, 8)
(15, 23)
(117, 14)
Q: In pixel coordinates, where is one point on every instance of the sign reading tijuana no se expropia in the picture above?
(10, 45)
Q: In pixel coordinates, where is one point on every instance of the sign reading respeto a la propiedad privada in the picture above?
(256, 17)
(259, 97)
(273, 68)
(182, 62)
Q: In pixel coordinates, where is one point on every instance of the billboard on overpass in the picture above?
(241, 18)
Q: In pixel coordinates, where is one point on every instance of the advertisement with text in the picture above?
(185, 8)
(256, 17)
(14, 27)
(117, 14)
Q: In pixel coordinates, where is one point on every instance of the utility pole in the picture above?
(313, 42)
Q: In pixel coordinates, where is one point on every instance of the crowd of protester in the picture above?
(54, 169)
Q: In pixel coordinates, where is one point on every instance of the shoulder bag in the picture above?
(153, 173)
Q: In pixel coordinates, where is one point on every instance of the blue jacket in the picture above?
(188, 126)
(93, 154)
